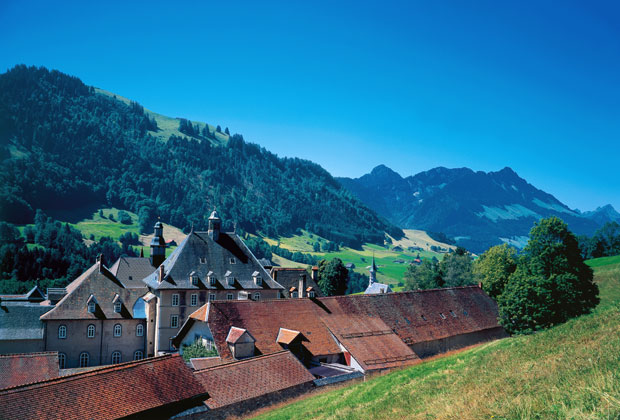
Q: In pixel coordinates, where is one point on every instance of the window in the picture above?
(202, 260)
(194, 279)
(233, 261)
(174, 321)
(90, 331)
(118, 330)
(116, 357)
(212, 280)
(84, 359)
(230, 280)
(62, 331)
(423, 318)
(311, 294)
(211, 297)
(295, 295)
(91, 307)
(442, 316)
(258, 281)
(453, 314)
(139, 330)
(117, 307)
(62, 360)
(175, 299)
(130, 277)
(229, 296)
(193, 300)
(257, 296)
(138, 355)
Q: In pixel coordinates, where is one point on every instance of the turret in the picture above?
(373, 272)
(215, 224)
(158, 246)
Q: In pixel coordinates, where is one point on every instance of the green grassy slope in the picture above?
(390, 272)
(571, 371)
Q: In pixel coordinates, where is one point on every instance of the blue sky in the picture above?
(413, 85)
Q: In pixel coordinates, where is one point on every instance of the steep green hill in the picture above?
(571, 371)
(68, 148)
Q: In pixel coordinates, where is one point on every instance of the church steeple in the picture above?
(158, 246)
(372, 271)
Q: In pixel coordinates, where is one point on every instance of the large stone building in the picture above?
(99, 321)
(206, 266)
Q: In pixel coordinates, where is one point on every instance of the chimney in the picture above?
(160, 277)
(315, 273)
(302, 286)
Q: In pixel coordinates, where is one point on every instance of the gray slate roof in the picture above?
(131, 270)
(217, 259)
(375, 288)
(20, 320)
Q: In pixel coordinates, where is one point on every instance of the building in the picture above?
(296, 282)
(99, 321)
(375, 287)
(152, 388)
(366, 332)
(207, 266)
(21, 331)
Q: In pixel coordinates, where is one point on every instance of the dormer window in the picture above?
(91, 307)
(453, 314)
(212, 280)
(311, 294)
(193, 278)
(202, 260)
(233, 261)
(117, 307)
(442, 316)
(258, 280)
(230, 280)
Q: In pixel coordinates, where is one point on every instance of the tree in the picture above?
(333, 277)
(456, 269)
(218, 129)
(197, 349)
(227, 131)
(124, 217)
(551, 282)
(494, 267)
(424, 276)
(146, 219)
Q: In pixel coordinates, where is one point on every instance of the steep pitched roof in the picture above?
(106, 393)
(289, 278)
(131, 270)
(417, 316)
(378, 288)
(199, 363)
(239, 381)
(235, 334)
(19, 320)
(34, 295)
(263, 319)
(216, 257)
(21, 369)
(103, 286)
(370, 341)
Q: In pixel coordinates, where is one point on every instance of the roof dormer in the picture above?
(91, 304)
(118, 304)
(211, 278)
(193, 278)
(240, 342)
(230, 280)
(258, 280)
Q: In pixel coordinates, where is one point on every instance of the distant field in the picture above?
(388, 271)
(571, 371)
(600, 262)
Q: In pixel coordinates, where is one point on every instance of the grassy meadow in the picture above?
(390, 272)
(571, 371)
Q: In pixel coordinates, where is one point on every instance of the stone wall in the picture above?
(434, 347)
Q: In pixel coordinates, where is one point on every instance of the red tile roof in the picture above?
(106, 393)
(199, 363)
(264, 319)
(21, 369)
(370, 341)
(286, 336)
(239, 381)
(235, 334)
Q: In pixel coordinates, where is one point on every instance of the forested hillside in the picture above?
(64, 147)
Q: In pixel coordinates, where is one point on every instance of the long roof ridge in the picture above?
(78, 375)
(473, 286)
(38, 353)
(243, 361)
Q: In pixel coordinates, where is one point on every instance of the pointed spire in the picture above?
(373, 271)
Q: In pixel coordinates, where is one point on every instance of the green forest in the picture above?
(65, 147)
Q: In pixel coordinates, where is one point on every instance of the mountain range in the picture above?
(478, 209)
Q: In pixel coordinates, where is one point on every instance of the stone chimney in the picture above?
(160, 276)
(302, 285)
(215, 224)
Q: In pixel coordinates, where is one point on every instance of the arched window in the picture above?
(84, 359)
(62, 331)
(139, 330)
(90, 331)
(62, 360)
(257, 296)
(116, 357)
(138, 355)
(118, 330)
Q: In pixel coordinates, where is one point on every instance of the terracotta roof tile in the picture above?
(239, 381)
(286, 336)
(106, 393)
(21, 369)
(199, 363)
(235, 334)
